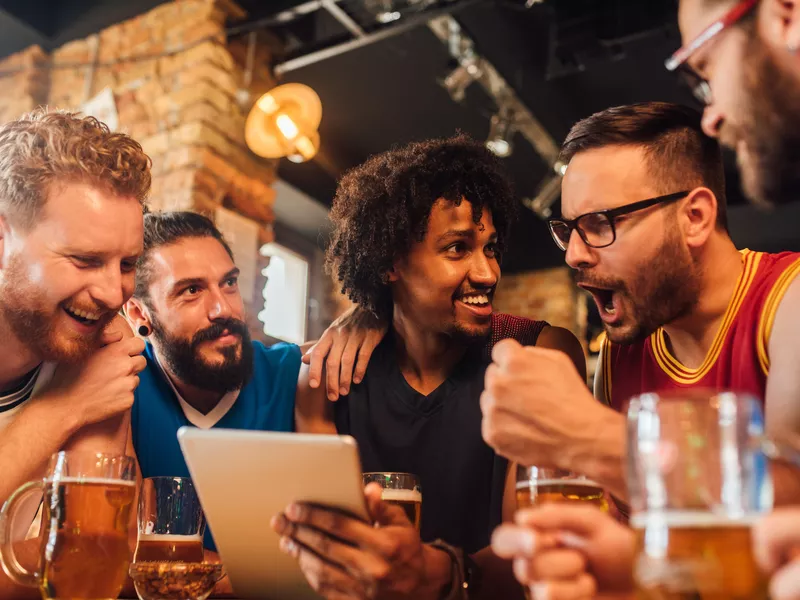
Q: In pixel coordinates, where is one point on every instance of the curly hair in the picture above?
(45, 146)
(383, 206)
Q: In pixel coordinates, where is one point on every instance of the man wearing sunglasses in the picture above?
(644, 228)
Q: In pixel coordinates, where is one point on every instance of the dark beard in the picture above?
(666, 288)
(184, 361)
(471, 338)
(770, 127)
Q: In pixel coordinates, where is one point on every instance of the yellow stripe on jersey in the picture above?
(682, 374)
(767, 318)
(605, 365)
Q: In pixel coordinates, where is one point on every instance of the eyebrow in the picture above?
(190, 281)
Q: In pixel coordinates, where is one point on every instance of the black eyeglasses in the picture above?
(597, 229)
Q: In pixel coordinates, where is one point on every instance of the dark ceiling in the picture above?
(564, 58)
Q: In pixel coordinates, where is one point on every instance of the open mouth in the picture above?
(604, 299)
(83, 317)
(479, 303)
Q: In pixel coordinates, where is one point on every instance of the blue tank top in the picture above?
(265, 403)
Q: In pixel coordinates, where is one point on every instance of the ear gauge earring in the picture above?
(144, 330)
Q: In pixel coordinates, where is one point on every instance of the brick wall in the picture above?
(549, 295)
(186, 108)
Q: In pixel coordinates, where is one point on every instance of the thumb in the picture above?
(503, 349)
(382, 512)
(110, 337)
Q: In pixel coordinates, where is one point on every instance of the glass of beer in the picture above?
(168, 563)
(537, 486)
(87, 501)
(698, 478)
(171, 521)
(401, 489)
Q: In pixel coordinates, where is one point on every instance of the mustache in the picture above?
(233, 326)
(598, 282)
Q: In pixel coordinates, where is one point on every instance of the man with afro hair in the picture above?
(418, 236)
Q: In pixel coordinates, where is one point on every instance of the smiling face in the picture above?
(63, 280)
(647, 277)
(197, 314)
(447, 281)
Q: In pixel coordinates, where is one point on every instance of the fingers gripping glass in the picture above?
(597, 229)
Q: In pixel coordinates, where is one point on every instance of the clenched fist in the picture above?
(538, 411)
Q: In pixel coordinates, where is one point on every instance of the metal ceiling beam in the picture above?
(460, 45)
(384, 33)
(343, 18)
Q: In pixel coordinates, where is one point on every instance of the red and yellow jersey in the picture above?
(737, 359)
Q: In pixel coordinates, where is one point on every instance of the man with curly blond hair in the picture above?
(71, 203)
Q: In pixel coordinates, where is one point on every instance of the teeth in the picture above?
(483, 299)
(83, 314)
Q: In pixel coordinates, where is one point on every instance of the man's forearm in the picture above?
(599, 452)
(38, 431)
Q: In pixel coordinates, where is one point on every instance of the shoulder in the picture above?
(277, 355)
(559, 338)
(525, 331)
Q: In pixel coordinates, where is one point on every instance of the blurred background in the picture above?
(183, 76)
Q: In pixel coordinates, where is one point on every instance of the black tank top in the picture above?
(437, 437)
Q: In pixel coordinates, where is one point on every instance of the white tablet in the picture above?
(243, 478)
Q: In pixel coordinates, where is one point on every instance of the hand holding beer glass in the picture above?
(698, 479)
(400, 489)
(168, 563)
(537, 486)
(87, 502)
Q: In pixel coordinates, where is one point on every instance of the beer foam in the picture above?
(170, 537)
(94, 480)
(532, 485)
(402, 495)
(688, 518)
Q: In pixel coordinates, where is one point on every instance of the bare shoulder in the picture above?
(559, 338)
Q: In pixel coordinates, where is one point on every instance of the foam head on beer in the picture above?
(409, 500)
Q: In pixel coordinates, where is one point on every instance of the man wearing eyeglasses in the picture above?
(742, 61)
(644, 228)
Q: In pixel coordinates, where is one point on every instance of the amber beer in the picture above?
(544, 491)
(696, 555)
(155, 547)
(86, 554)
(409, 500)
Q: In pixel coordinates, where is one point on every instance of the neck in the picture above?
(425, 358)
(691, 336)
(18, 360)
(203, 401)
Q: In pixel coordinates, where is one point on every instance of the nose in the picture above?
(485, 271)
(111, 289)
(712, 121)
(579, 255)
(218, 306)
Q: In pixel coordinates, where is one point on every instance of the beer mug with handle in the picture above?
(698, 478)
(86, 508)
